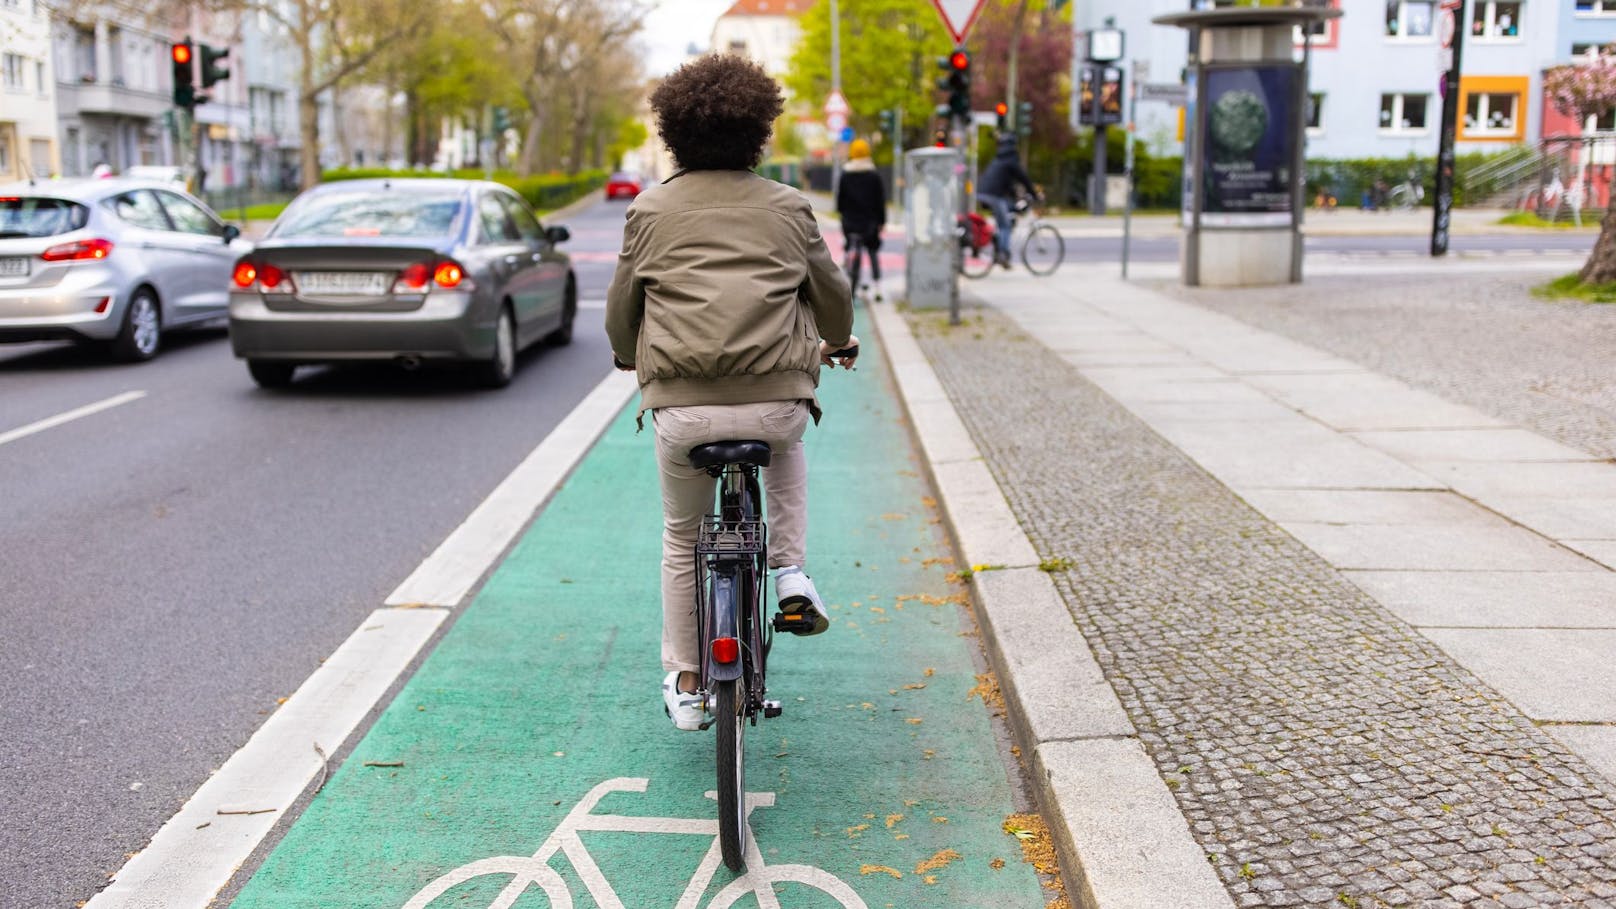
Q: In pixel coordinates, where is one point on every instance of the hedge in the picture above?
(542, 191)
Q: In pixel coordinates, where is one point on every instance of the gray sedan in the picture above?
(409, 270)
(114, 261)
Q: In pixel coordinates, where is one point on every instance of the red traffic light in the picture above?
(959, 60)
(182, 53)
(1001, 109)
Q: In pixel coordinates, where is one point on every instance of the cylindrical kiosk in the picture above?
(931, 211)
(1245, 127)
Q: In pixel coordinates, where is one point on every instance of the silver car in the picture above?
(411, 271)
(114, 261)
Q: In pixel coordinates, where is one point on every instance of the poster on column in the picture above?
(1249, 150)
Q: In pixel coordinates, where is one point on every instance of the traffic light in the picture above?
(502, 120)
(1001, 110)
(184, 81)
(211, 70)
(889, 125)
(959, 83)
(1024, 119)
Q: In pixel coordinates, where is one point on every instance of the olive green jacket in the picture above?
(723, 290)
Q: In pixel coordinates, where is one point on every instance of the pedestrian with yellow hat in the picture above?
(861, 200)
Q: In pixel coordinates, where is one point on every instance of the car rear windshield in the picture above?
(373, 213)
(32, 216)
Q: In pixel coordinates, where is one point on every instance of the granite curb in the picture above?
(1122, 840)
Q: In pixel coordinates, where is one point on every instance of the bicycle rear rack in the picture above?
(731, 539)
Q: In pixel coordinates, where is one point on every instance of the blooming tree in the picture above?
(1582, 90)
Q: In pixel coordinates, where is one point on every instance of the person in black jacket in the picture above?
(861, 200)
(997, 190)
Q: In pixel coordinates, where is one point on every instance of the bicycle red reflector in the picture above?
(245, 274)
(78, 250)
(726, 650)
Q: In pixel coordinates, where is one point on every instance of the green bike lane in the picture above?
(884, 769)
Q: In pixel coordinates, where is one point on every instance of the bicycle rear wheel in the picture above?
(731, 721)
(974, 262)
(1044, 250)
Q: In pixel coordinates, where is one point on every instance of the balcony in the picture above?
(105, 98)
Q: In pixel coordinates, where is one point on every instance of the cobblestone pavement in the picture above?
(1481, 340)
(1324, 753)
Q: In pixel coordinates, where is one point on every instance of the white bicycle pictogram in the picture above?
(535, 870)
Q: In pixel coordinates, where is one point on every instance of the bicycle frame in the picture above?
(731, 576)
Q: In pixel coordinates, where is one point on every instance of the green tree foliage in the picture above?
(889, 60)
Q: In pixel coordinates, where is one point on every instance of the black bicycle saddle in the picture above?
(716, 454)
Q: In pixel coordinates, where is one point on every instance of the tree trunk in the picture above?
(308, 106)
(1601, 265)
(530, 144)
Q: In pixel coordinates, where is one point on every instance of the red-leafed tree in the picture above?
(1044, 59)
(1584, 90)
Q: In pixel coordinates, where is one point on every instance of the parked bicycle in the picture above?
(1042, 249)
(535, 871)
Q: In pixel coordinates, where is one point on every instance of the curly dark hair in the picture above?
(716, 113)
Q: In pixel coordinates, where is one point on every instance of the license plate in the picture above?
(344, 283)
(13, 267)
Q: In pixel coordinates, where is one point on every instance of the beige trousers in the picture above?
(687, 497)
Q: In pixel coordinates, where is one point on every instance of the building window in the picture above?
(1601, 123)
(738, 48)
(1490, 113)
(1586, 51)
(1403, 113)
(1315, 112)
(1413, 18)
(41, 84)
(1596, 7)
(84, 53)
(1496, 21)
(11, 64)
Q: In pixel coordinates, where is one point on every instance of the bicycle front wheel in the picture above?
(731, 721)
(974, 262)
(1044, 250)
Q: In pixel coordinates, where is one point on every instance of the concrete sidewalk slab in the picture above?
(1499, 599)
(1461, 547)
(1553, 674)
(1368, 506)
(1502, 444)
(1296, 453)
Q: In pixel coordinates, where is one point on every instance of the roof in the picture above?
(83, 189)
(768, 8)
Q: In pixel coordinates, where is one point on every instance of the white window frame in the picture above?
(1483, 111)
(1598, 8)
(12, 75)
(1397, 128)
(1429, 37)
(1590, 126)
(1487, 14)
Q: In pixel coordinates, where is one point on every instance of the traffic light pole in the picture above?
(1097, 181)
(1442, 205)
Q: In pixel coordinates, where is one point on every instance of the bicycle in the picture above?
(1042, 247)
(731, 586)
(535, 870)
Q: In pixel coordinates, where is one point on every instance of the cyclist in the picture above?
(861, 200)
(723, 293)
(997, 190)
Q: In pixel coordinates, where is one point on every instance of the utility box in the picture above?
(1245, 131)
(933, 187)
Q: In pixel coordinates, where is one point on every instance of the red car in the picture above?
(623, 184)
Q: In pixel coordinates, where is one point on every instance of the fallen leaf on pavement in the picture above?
(880, 869)
(938, 861)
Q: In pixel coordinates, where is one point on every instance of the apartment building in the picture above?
(1375, 71)
(27, 92)
(765, 30)
(113, 88)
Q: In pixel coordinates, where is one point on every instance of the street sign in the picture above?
(847, 134)
(837, 104)
(836, 122)
(959, 16)
(1170, 92)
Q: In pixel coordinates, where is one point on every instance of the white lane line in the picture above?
(69, 416)
(449, 573)
(200, 848)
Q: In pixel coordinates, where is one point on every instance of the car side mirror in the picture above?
(557, 234)
(231, 232)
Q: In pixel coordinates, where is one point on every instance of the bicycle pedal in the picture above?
(792, 622)
(772, 709)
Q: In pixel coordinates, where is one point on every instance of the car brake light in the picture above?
(270, 277)
(726, 650)
(413, 279)
(245, 274)
(448, 275)
(78, 250)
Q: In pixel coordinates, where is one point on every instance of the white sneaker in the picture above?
(798, 597)
(683, 707)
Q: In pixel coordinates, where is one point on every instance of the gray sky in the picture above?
(674, 24)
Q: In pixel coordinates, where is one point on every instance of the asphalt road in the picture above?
(171, 567)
